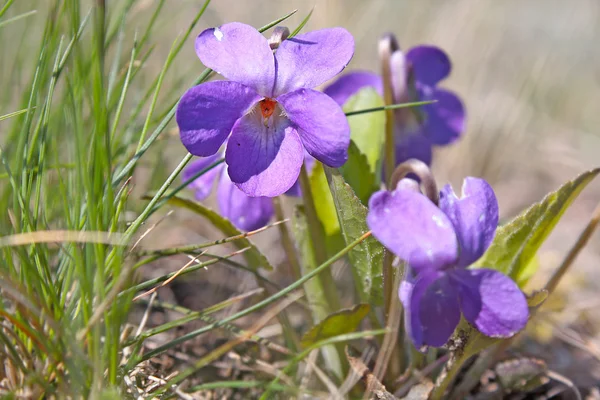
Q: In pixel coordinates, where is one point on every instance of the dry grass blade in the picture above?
(375, 389)
(57, 236)
(175, 275)
(582, 241)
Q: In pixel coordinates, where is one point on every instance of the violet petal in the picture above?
(307, 60)
(264, 160)
(413, 145)
(445, 119)
(491, 301)
(430, 64)
(202, 186)
(431, 309)
(413, 228)
(474, 216)
(207, 112)
(246, 213)
(321, 124)
(240, 53)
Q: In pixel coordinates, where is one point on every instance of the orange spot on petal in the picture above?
(267, 107)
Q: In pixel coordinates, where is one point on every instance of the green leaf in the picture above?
(517, 242)
(338, 323)
(357, 174)
(323, 201)
(367, 257)
(253, 256)
(367, 130)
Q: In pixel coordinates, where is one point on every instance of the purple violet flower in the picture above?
(246, 213)
(438, 245)
(267, 105)
(415, 76)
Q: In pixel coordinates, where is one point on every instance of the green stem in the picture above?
(286, 240)
(318, 241)
(447, 376)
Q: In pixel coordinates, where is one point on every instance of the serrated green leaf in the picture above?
(367, 257)
(517, 242)
(339, 323)
(367, 130)
(357, 174)
(253, 256)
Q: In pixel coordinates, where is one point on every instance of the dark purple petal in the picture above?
(444, 120)
(202, 186)
(239, 53)
(246, 213)
(307, 60)
(474, 216)
(413, 145)
(321, 124)
(491, 301)
(431, 309)
(264, 160)
(430, 64)
(412, 227)
(207, 112)
(349, 84)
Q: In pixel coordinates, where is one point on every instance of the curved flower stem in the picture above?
(387, 45)
(318, 241)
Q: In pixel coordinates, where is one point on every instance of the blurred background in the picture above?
(528, 72)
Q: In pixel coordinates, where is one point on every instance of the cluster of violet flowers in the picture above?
(267, 119)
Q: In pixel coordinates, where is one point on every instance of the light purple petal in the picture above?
(412, 227)
(307, 60)
(413, 145)
(321, 124)
(264, 160)
(445, 120)
(239, 53)
(202, 186)
(430, 64)
(474, 216)
(349, 84)
(246, 213)
(491, 301)
(431, 309)
(207, 112)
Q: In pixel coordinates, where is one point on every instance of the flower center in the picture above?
(267, 107)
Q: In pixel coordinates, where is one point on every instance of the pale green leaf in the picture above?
(338, 323)
(367, 130)
(517, 242)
